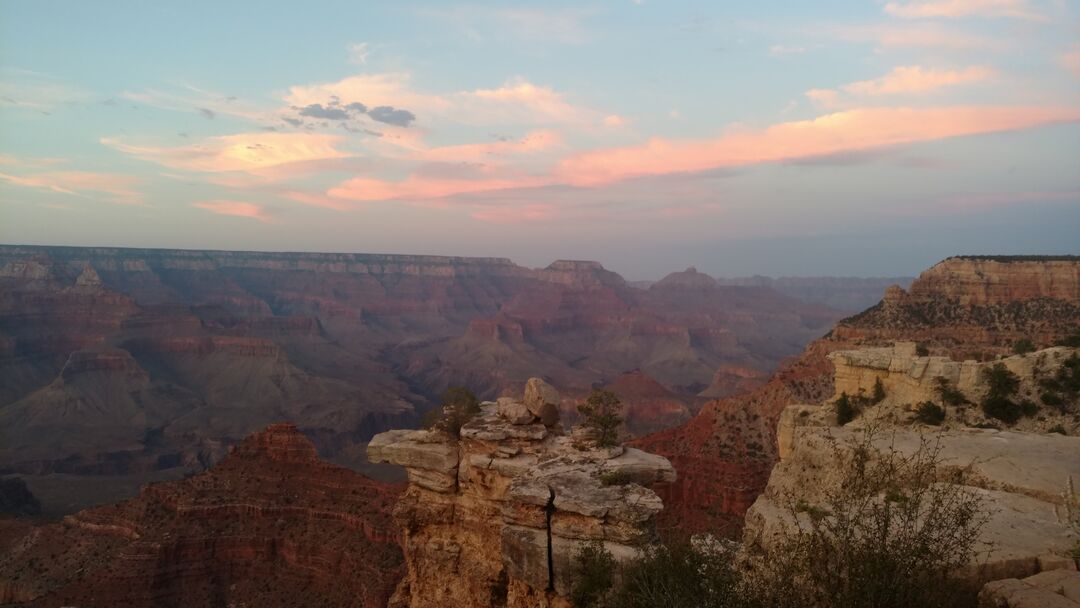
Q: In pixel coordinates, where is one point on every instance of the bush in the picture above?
(921, 350)
(616, 478)
(879, 392)
(930, 413)
(1057, 428)
(1002, 385)
(1023, 346)
(888, 536)
(594, 576)
(1002, 408)
(600, 412)
(948, 394)
(845, 410)
(1072, 340)
(459, 405)
(679, 574)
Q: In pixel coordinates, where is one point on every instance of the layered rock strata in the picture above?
(496, 515)
(1022, 474)
(271, 525)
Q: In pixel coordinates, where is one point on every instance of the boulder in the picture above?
(514, 411)
(1051, 589)
(542, 400)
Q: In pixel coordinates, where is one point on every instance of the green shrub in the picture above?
(921, 350)
(1002, 385)
(677, 575)
(1072, 340)
(593, 576)
(600, 412)
(879, 392)
(616, 478)
(459, 405)
(930, 413)
(845, 411)
(1057, 428)
(949, 395)
(1023, 346)
(1002, 408)
(868, 551)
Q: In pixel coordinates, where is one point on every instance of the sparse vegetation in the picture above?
(459, 405)
(680, 574)
(1057, 428)
(890, 536)
(845, 410)
(616, 478)
(879, 392)
(1023, 346)
(930, 413)
(600, 413)
(1072, 340)
(921, 350)
(594, 576)
(1002, 387)
(948, 394)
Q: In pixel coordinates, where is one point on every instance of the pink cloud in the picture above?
(917, 35)
(317, 200)
(857, 129)
(420, 188)
(235, 208)
(916, 79)
(114, 188)
(1016, 9)
(535, 141)
(249, 152)
(1070, 60)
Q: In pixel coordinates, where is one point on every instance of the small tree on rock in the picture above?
(459, 405)
(600, 413)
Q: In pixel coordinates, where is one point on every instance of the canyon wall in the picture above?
(1021, 472)
(725, 454)
(271, 525)
(137, 361)
(496, 514)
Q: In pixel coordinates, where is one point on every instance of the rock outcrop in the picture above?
(271, 525)
(1021, 473)
(725, 454)
(1053, 589)
(496, 515)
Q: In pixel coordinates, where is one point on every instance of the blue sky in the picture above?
(853, 138)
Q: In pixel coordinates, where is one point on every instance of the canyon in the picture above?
(965, 307)
(270, 525)
(130, 365)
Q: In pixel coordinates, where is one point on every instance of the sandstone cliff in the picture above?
(725, 454)
(1022, 472)
(495, 515)
(271, 525)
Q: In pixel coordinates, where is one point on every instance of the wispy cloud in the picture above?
(856, 129)
(917, 79)
(901, 80)
(358, 52)
(251, 152)
(1014, 9)
(237, 209)
(110, 187)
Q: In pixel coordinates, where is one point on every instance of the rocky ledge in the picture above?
(495, 515)
(1025, 474)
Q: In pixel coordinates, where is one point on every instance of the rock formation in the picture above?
(725, 454)
(144, 361)
(1053, 589)
(496, 515)
(271, 525)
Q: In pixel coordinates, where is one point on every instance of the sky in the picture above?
(855, 138)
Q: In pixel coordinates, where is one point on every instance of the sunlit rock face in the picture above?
(962, 309)
(495, 515)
